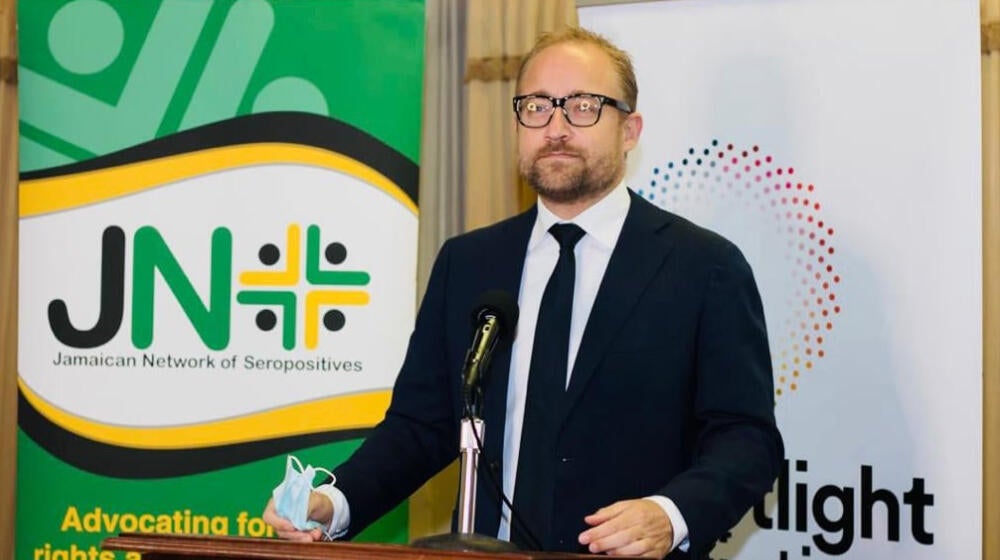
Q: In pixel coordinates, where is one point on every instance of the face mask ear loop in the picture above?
(327, 535)
(333, 478)
(292, 459)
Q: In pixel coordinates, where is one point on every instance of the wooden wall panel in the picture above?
(8, 275)
(990, 20)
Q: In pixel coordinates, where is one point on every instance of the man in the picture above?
(660, 434)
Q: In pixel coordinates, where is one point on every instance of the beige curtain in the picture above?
(500, 32)
(441, 161)
(441, 176)
(990, 17)
(8, 275)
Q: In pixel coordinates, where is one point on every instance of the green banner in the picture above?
(218, 220)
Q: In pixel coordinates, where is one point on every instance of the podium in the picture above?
(188, 547)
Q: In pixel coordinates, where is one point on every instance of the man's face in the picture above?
(564, 163)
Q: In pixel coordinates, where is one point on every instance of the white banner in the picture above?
(265, 361)
(837, 142)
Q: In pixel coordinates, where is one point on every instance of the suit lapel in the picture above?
(505, 251)
(638, 255)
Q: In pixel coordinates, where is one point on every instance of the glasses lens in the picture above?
(583, 110)
(534, 111)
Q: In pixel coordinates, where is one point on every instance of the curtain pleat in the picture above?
(441, 178)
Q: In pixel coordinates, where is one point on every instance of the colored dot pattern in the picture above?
(781, 198)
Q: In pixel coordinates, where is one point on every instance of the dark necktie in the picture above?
(533, 486)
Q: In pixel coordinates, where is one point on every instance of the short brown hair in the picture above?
(621, 60)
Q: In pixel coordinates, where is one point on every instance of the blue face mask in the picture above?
(291, 497)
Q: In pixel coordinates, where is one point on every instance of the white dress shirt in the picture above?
(602, 223)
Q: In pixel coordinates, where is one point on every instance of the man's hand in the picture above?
(320, 510)
(629, 528)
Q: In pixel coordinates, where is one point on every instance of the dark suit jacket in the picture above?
(671, 392)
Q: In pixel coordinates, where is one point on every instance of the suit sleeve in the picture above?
(419, 435)
(738, 450)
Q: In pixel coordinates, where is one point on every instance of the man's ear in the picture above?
(633, 129)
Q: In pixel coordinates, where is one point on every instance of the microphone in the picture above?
(493, 319)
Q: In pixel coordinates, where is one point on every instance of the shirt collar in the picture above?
(603, 221)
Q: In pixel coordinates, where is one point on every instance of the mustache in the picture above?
(560, 148)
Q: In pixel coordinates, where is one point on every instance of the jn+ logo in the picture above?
(333, 319)
(212, 320)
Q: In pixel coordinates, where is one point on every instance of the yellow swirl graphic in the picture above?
(356, 411)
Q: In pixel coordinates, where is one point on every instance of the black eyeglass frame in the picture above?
(560, 103)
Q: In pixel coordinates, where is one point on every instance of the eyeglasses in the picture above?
(580, 109)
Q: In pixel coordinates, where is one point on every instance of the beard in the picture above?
(570, 181)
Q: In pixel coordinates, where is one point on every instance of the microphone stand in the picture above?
(466, 539)
(472, 430)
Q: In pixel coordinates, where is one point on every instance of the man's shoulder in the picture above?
(694, 248)
(683, 231)
(503, 231)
